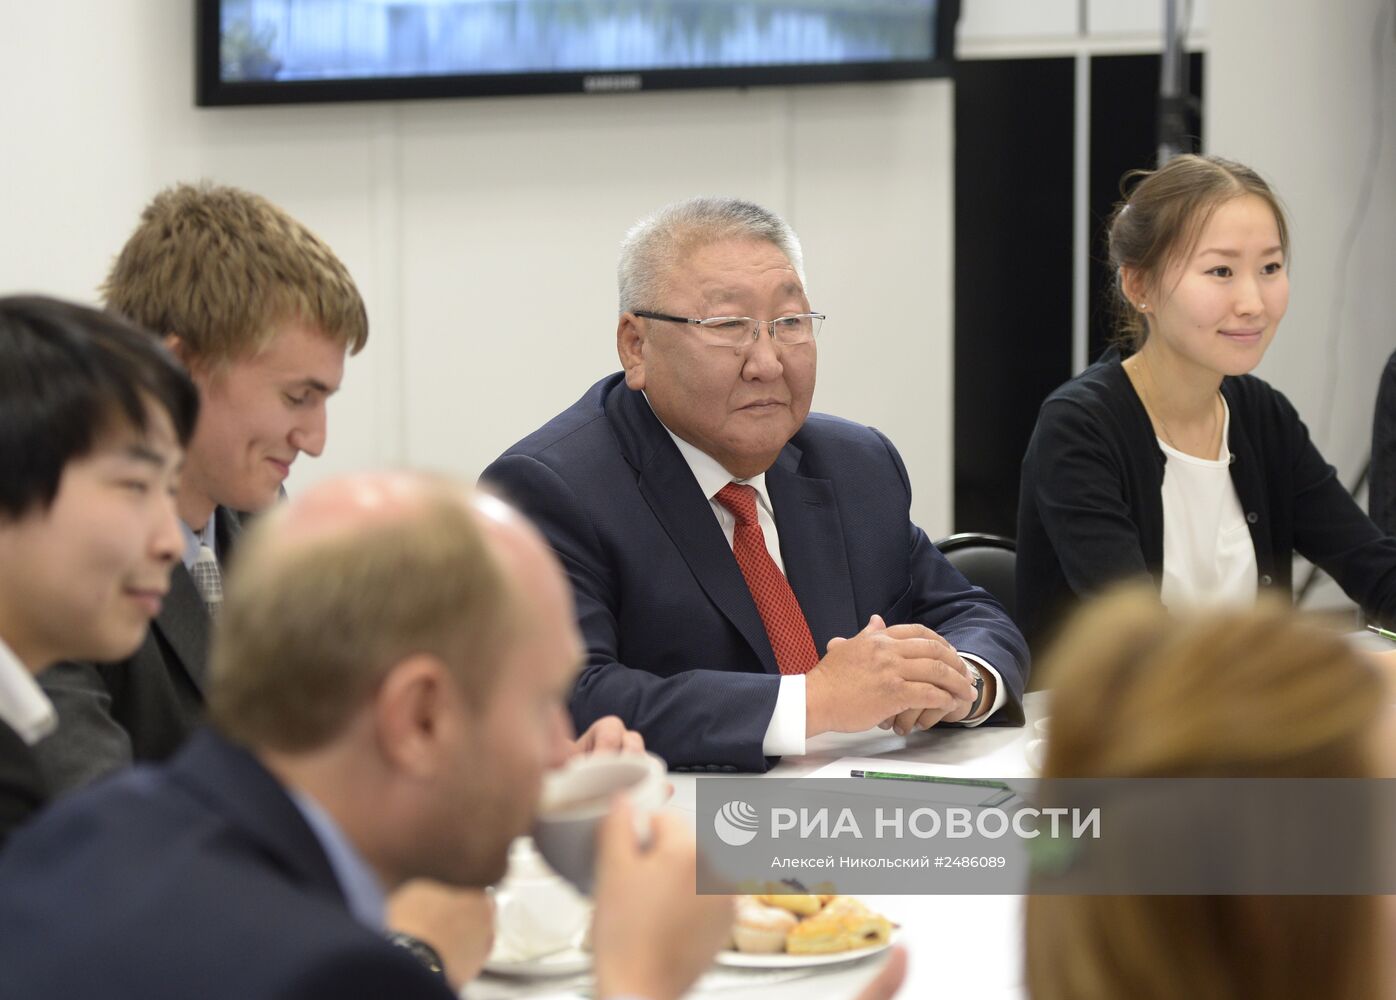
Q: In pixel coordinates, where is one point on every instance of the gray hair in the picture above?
(659, 241)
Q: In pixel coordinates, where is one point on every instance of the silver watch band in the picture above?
(977, 676)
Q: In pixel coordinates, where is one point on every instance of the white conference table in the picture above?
(968, 946)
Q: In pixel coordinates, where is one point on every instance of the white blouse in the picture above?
(1208, 556)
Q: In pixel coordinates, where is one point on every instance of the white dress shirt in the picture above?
(363, 892)
(785, 734)
(23, 705)
(208, 535)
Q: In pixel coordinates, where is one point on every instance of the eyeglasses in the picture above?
(737, 331)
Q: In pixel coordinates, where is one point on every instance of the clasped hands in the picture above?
(901, 677)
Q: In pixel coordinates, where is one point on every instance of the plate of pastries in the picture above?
(787, 929)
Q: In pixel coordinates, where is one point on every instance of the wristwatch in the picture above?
(419, 950)
(976, 677)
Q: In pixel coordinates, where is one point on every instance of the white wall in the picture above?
(483, 232)
(1293, 89)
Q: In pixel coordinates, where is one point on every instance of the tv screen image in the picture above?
(257, 51)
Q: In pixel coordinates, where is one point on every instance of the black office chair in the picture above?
(1381, 490)
(1379, 474)
(988, 561)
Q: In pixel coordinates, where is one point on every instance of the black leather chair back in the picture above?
(988, 561)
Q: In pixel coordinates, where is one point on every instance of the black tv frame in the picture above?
(212, 91)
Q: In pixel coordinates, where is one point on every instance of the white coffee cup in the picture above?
(536, 912)
(577, 795)
(1036, 754)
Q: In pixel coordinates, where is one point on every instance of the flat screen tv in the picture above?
(293, 51)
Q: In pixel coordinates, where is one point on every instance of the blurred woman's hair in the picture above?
(1137, 693)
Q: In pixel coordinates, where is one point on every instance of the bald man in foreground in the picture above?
(386, 694)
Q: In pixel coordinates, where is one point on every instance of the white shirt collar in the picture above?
(193, 539)
(23, 705)
(709, 471)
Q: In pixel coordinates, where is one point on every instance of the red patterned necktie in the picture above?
(775, 601)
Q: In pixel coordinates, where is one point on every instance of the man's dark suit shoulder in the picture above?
(22, 790)
(584, 419)
(187, 880)
(824, 434)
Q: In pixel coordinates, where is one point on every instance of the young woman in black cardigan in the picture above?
(1166, 457)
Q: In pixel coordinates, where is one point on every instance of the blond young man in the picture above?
(263, 314)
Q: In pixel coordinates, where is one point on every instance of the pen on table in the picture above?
(1384, 633)
(933, 778)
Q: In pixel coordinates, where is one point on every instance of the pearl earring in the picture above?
(1143, 306)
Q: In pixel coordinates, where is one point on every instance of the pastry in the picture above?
(802, 904)
(843, 925)
(761, 929)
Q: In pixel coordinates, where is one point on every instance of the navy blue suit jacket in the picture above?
(22, 790)
(196, 879)
(674, 643)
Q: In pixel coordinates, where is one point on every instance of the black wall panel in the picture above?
(1014, 148)
(1013, 212)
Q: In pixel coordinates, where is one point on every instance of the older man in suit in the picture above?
(746, 573)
